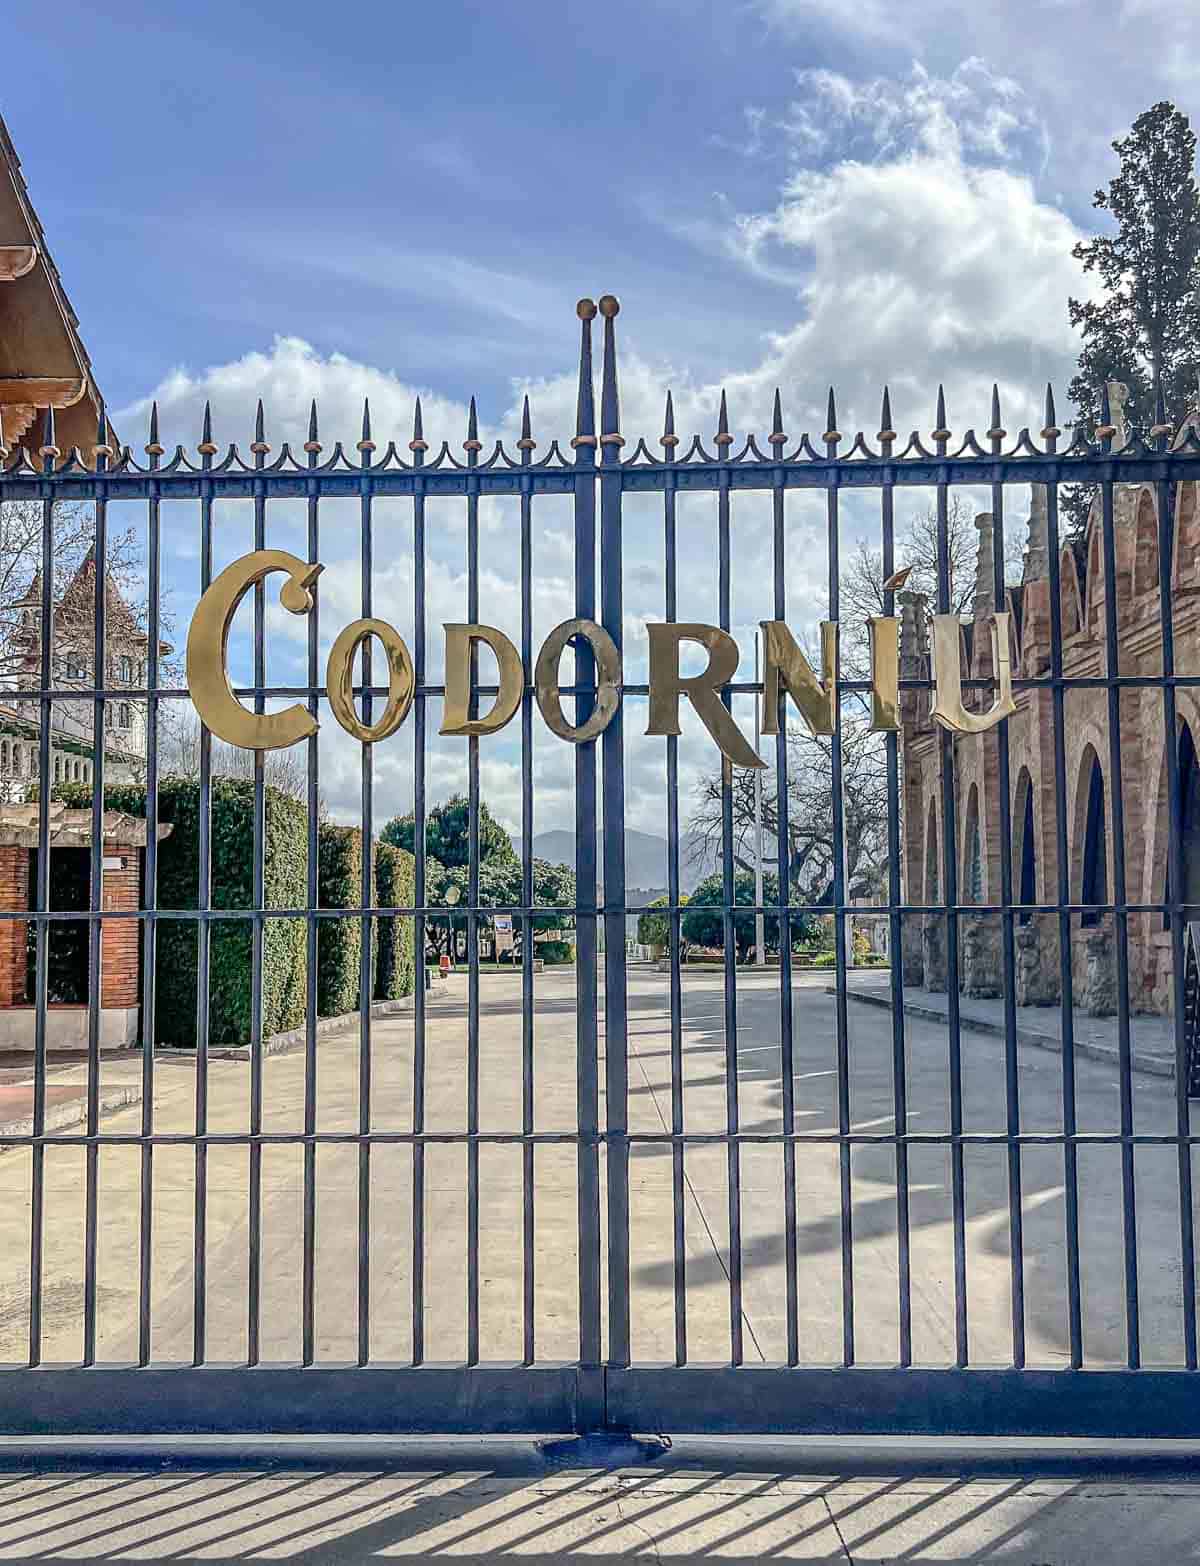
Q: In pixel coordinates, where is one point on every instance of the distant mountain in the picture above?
(645, 858)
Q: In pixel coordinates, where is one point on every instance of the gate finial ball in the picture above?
(585, 309)
(610, 306)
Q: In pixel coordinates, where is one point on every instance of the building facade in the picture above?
(1032, 806)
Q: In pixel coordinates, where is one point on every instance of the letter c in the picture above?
(208, 639)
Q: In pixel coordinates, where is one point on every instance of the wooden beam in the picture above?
(16, 260)
(43, 391)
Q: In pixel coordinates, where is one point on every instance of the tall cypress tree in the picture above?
(1145, 329)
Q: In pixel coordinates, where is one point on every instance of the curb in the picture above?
(73, 1113)
(1148, 1065)
(294, 1039)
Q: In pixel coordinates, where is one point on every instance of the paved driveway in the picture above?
(873, 1195)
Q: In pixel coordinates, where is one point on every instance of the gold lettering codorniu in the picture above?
(785, 668)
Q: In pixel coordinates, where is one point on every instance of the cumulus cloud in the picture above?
(914, 249)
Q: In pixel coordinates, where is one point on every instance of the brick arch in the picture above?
(1086, 767)
(972, 838)
(1070, 600)
(1145, 544)
(1154, 875)
(1025, 823)
(1186, 543)
(932, 870)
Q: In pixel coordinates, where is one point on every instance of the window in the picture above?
(127, 670)
(74, 772)
(124, 719)
(76, 667)
(58, 769)
(3, 755)
(16, 761)
(1095, 849)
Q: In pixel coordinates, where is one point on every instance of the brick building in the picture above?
(1032, 806)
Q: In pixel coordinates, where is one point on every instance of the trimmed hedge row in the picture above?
(285, 879)
(395, 959)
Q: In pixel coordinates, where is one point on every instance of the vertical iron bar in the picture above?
(616, 1037)
(418, 447)
(308, 1276)
(1166, 557)
(203, 942)
(257, 904)
(845, 1186)
(366, 940)
(1062, 869)
(1012, 1085)
(787, 1058)
(1121, 920)
(729, 898)
(95, 972)
(587, 1087)
(950, 883)
(150, 894)
(528, 1188)
(473, 911)
(37, 1216)
(678, 1213)
(896, 931)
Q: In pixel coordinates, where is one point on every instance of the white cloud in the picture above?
(920, 255)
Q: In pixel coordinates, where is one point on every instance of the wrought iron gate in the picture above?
(602, 1386)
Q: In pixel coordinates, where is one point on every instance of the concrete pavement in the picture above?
(467, 1501)
(873, 1195)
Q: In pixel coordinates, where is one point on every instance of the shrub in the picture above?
(395, 966)
(554, 951)
(339, 941)
(285, 858)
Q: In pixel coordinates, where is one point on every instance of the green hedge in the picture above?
(339, 881)
(339, 941)
(285, 859)
(395, 965)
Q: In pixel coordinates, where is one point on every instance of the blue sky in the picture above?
(296, 200)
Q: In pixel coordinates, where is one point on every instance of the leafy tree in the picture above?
(654, 929)
(1145, 330)
(447, 833)
(810, 816)
(499, 887)
(703, 921)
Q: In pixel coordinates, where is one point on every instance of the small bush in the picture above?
(554, 951)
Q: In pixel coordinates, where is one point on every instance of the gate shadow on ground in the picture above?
(874, 1202)
(325, 1503)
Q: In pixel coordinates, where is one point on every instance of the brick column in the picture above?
(120, 939)
(14, 894)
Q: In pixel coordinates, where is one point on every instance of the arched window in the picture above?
(4, 762)
(127, 669)
(932, 879)
(1094, 886)
(58, 769)
(973, 851)
(74, 772)
(124, 721)
(1027, 884)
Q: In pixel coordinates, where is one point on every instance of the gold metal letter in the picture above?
(666, 687)
(456, 707)
(884, 631)
(208, 638)
(948, 709)
(340, 684)
(608, 680)
(783, 662)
